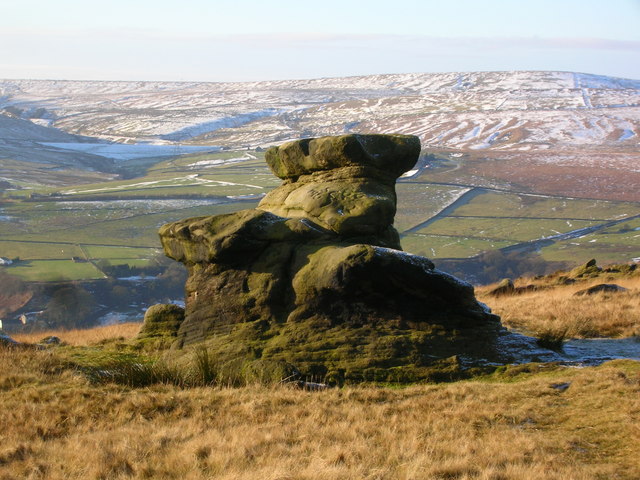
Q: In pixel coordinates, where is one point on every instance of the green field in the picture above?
(617, 244)
(131, 224)
(501, 204)
(54, 270)
(440, 246)
(197, 175)
(418, 202)
(511, 229)
(38, 250)
(122, 232)
(118, 220)
(496, 219)
(122, 253)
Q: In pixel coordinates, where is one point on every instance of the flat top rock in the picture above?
(601, 287)
(393, 154)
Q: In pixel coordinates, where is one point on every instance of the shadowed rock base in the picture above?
(314, 277)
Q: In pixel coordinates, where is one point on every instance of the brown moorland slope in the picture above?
(551, 305)
(531, 421)
(61, 421)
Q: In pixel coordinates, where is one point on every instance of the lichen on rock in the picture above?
(315, 277)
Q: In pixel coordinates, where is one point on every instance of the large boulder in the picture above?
(314, 276)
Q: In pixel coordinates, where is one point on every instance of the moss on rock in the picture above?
(389, 153)
(161, 325)
(314, 279)
(589, 269)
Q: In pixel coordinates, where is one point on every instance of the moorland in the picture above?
(522, 174)
(98, 405)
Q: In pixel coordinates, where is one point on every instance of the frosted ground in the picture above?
(122, 152)
(452, 110)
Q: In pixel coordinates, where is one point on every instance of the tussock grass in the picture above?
(83, 337)
(552, 339)
(57, 425)
(555, 311)
(59, 422)
(105, 355)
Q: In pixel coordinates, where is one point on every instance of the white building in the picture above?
(5, 261)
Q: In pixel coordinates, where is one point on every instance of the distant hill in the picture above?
(545, 132)
(512, 111)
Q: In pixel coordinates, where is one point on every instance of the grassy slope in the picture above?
(497, 219)
(553, 308)
(511, 425)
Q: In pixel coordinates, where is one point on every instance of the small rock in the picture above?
(162, 320)
(589, 269)
(526, 288)
(505, 287)
(601, 287)
(561, 387)
(7, 341)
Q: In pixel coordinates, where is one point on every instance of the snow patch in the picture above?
(225, 122)
(601, 82)
(410, 173)
(626, 134)
(188, 180)
(124, 152)
(222, 161)
(472, 134)
(114, 318)
(257, 196)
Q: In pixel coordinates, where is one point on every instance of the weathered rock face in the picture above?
(314, 276)
(345, 184)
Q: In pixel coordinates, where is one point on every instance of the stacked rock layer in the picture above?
(314, 278)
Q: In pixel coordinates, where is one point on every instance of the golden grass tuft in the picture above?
(56, 425)
(556, 310)
(82, 337)
(512, 425)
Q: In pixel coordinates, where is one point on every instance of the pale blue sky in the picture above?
(222, 40)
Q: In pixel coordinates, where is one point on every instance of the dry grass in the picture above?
(513, 425)
(55, 425)
(557, 310)
(121, 331)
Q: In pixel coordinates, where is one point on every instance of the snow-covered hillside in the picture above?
(489, 111)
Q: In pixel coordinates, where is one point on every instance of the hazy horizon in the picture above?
(251, 41)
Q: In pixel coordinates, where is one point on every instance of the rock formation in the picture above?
(314, 278)
(601, 288)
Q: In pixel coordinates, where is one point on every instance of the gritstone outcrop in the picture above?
(314, 278)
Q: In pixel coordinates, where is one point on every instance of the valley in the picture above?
(540, 168)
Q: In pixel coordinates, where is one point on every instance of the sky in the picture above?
(252, 40)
